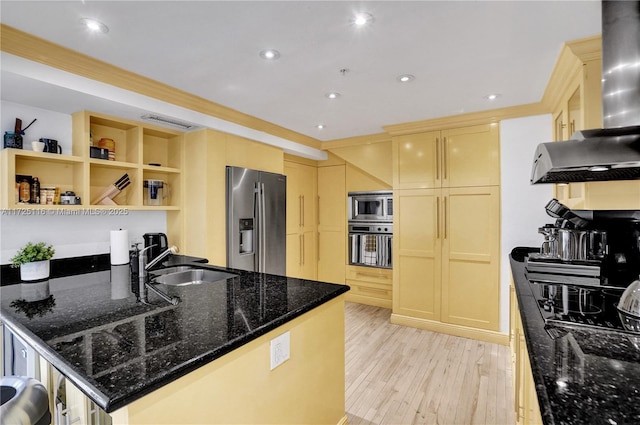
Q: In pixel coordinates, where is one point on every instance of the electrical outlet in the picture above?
(280, 349)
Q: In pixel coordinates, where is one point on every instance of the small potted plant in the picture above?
(33, 260)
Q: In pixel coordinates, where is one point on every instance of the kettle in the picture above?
(157, 239)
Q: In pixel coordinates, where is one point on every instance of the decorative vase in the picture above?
(36, 270)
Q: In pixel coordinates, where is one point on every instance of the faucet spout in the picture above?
(171, 250)
(143, 275)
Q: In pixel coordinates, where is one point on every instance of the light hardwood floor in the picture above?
(400, 375)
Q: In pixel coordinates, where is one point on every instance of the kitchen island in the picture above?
(204, 360)
(582, 374)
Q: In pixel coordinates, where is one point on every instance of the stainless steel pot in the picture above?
(573, 244)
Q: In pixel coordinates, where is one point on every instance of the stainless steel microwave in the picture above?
(371, 206)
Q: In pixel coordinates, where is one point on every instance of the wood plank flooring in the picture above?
(397, 375)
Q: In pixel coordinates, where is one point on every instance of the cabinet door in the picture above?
(332, 221)
(417, 253)
(470, 251)
(301, 220)
(417, 160)
(309, 255)
(471, 156)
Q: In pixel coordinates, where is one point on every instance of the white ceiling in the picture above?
(459, 51)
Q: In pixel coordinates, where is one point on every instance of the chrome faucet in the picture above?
(143, 275)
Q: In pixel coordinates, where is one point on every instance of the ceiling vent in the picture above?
(183, 125)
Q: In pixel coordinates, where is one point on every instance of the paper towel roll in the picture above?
(119, 247)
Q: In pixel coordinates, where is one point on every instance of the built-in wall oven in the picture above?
(371, 229)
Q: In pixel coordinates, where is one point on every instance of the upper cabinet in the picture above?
(140, 154)
(460, 157)
(301, 219)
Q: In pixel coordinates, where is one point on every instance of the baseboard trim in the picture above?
(456, 330)
(362, 299)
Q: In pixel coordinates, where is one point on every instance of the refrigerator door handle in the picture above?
(263, 229)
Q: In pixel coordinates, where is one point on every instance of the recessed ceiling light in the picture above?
(271, 54)
(406, 78)
(94, 26)
(362, 19)
(333, 95)
(492, 96)
(320, 126)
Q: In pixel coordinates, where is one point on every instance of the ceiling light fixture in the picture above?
(333, 95)
(270, 54)
(320, 126)
(406, 78)
(94, 26)
(492, 96)
(362, 19)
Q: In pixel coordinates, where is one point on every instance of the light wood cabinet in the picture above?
(417, 252)
(526, 407)
(470, 257)
(370, 285)
(461, 157)
(446, 255)
(142, 151)
(332, 224)
(301, 220)
(137, 146)
(208, 152)
(447, 227)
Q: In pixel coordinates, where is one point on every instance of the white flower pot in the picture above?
(37, 270)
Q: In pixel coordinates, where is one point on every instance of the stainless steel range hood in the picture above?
(612, 153)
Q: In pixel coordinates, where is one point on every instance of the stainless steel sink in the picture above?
(186, 275)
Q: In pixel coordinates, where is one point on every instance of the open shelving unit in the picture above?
(142, 151)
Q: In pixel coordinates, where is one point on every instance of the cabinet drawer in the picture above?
(370, 274)
(370, 289)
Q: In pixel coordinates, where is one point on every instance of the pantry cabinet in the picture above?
(446, 229)
(332, 224)
(446, 255)
(301, 219)
(470, 257)
(417, 252)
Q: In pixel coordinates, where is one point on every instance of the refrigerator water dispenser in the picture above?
(246, 235)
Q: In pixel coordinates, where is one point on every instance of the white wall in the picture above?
(71, 235)
(49, 125)
(522, 203)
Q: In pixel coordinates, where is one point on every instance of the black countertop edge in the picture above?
(119, 402)
(63, 267)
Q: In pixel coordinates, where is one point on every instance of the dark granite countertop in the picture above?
(92, 328)
(582, 375)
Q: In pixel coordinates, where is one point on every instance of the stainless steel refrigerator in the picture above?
(256, 220)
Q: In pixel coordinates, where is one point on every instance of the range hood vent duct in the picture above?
(169, 121)
(612, 153)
